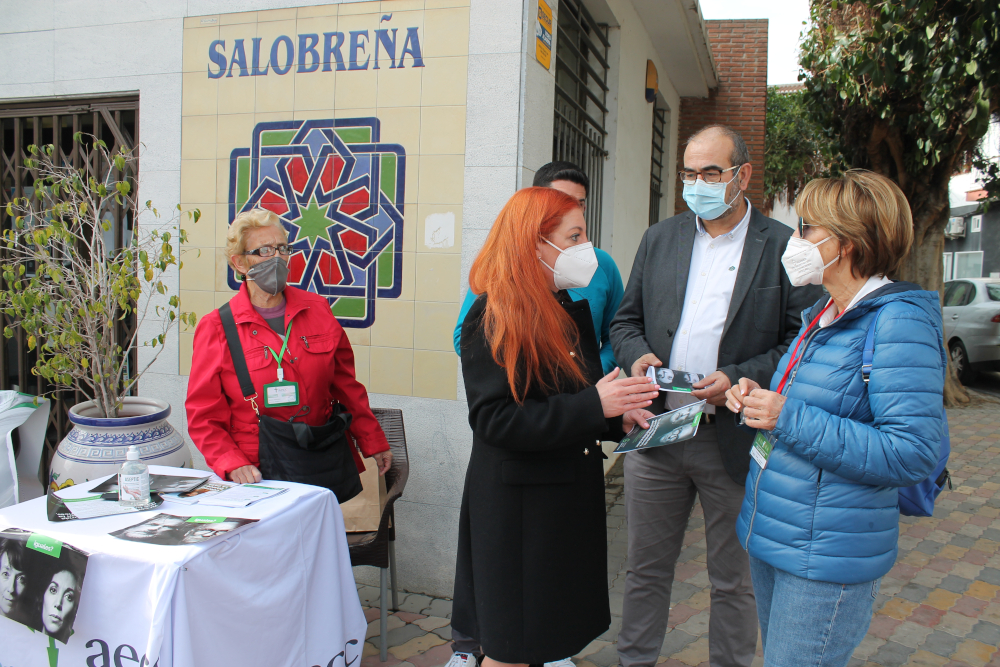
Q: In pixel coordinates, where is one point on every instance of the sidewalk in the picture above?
(939, 606)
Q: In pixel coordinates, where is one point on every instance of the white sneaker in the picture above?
(462, 660)
(565, 662)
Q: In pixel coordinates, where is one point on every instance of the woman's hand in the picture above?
(383, 460)
(636, 417)
(734, 397)
(762, 408)
(618, 396)
(246, 475)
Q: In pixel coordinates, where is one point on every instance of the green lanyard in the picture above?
(284, 346)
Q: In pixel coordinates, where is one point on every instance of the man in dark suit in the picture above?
(707, 294)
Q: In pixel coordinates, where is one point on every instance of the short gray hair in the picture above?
(740, 154)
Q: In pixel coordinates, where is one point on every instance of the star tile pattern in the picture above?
(939, 606)
(340, 193)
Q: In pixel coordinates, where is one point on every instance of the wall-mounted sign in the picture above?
(543, 35)
(312, 53)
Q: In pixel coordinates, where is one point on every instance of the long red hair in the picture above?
(530, 334)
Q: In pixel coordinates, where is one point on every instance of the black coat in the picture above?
(765, 313)
(531, 577)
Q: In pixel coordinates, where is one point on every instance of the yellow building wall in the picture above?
(407, 350)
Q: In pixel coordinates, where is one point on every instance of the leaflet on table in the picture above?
(159, 483)
(676, 381)
(33, 563)
(173, 530)
(242, 495)
(201, 494)
(93, 506)
(666, 429)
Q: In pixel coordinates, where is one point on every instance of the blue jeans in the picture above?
(805, 622)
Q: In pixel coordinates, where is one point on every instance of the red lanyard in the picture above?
(794, 360)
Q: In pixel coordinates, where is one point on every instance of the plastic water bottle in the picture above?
(133, 480)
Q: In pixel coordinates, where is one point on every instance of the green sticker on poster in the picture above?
(44, 544)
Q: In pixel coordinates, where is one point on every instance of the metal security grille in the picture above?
(581, 101)
(115, 120)
(656, 168)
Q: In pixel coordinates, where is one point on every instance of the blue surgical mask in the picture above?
(708, 200)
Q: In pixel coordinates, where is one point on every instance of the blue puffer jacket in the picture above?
(825, 508)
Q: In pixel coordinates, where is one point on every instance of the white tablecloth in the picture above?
(276, 592)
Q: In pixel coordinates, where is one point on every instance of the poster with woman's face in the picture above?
(41, 580)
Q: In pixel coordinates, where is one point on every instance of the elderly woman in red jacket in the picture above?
(317, 356)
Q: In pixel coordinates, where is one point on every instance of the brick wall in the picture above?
(740, 51)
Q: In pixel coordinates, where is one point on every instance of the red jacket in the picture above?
(319, 357)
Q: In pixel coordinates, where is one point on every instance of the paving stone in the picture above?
(606, 657)
(990, 575)
(926, 659)
(929, 547)
(986, 632)
(914, 592)
(444, 632)
(941, 643)
(415, 603)
(675, 641)
(910, 634)
(391, 623)
(956, 624)
(400, 635)
(438, 607)
(433, 657)
(431, 623)
(415, 646)
(973, 653)
(954, 584)
(408, 617)
(892, 653)
(681, 591)
(695, 653)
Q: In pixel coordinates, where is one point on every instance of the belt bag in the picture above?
(295, 452)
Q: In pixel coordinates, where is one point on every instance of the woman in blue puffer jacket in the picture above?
(820, 518)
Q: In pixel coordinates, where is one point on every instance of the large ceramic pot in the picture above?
(97, 445)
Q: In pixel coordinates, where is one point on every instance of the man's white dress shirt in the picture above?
(711, 279)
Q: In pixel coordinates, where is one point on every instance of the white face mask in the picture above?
(803, 263)
(574, 267)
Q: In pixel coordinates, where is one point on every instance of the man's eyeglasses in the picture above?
(689, 176)
(270, 250)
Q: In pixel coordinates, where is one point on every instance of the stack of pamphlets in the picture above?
(666, 429)
(242, 495)
(201, 494)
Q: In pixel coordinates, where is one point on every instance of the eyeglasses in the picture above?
(801, 227)
(269, 250)
(689, 176)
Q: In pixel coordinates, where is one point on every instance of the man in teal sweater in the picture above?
(605, 290)
(604, 293)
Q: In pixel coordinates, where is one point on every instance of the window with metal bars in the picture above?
(581, 101)
(656, 167)
(115, 120)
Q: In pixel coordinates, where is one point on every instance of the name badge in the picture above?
(761, 450)
(281, 394)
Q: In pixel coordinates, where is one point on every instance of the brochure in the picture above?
(159, 483)
(173, 530)
(671, 380)
(242, 495)
(203, 492)
(666, 429)
(93, 506)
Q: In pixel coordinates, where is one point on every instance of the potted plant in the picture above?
(69, 284)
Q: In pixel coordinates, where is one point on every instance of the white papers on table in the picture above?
(243, 495)
(201, 494)
(95, 506)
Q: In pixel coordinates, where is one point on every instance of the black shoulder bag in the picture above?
(294, 452)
